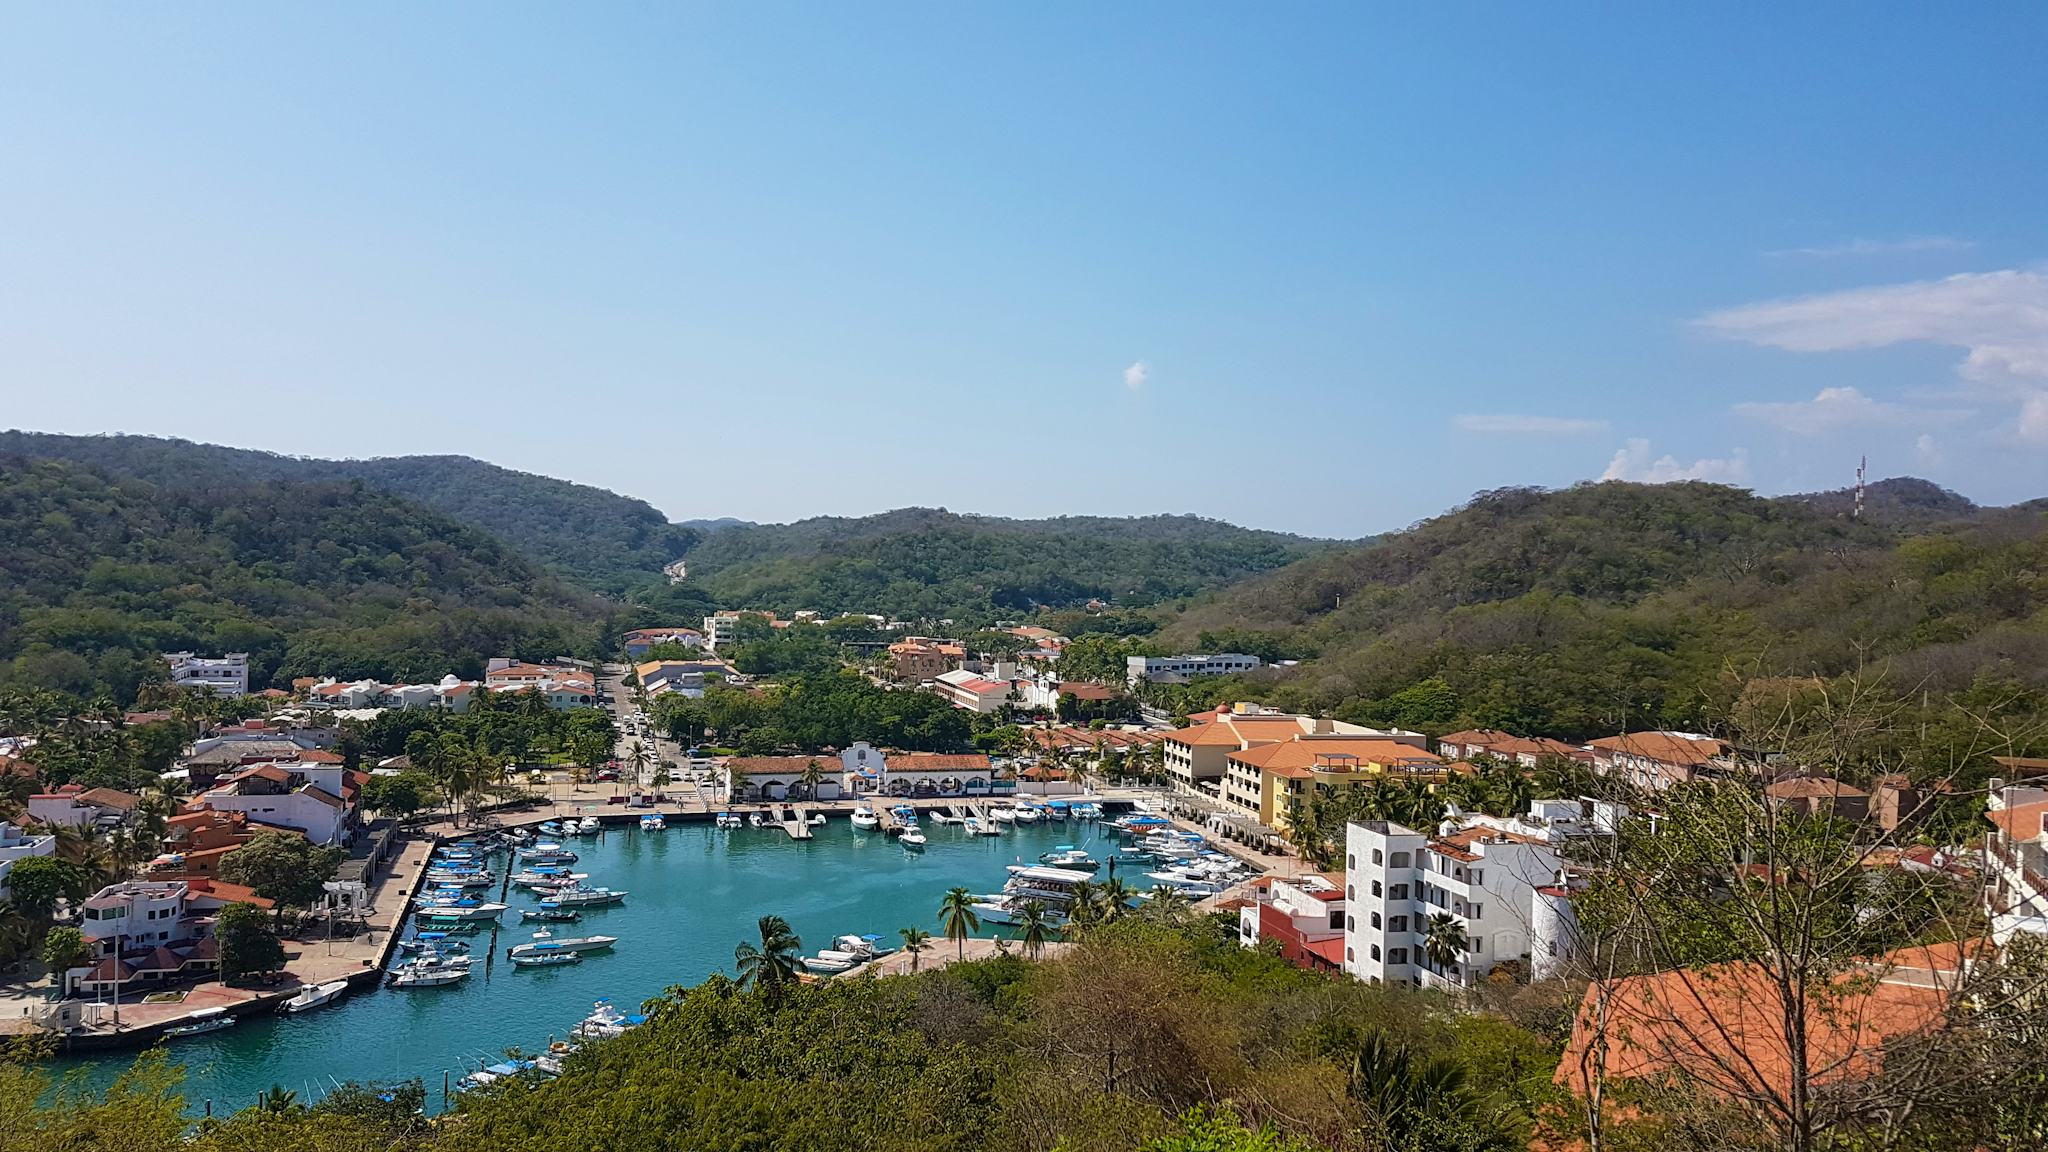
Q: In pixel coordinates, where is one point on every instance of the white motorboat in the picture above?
(431, 972)
(979, 828)
(944, 818)
(1027, 814)
(545, 942)
(729, 820)
(460, 879)
(652, 822)
(201, 1022)
(1186, 885)
(589, 826)
(547, 959)
(825, 963)
(1069, 857)
(605, 1021)
(547, 852)
(972, 826)
(1008, 911)
(866, 817)
(867, 946)
(817, 819)
(551, 828)
(433, 944)
(547, 913)
(914, 839)
(502, 1070)
(585, 897)
(1002, 813)
(311, 996)
(546, 877)
(755, 820)
(461, 910)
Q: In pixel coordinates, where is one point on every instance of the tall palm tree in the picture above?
(915, 941)
(772, 966)
(1086, 910)
(1167, 905)
(1114, 897)
(812, 776)
(1414, 1100)
(1035, 926)
(1444, 940)
(957, 918)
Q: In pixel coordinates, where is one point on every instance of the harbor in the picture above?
(695, 891)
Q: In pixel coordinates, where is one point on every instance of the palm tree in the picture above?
(915, 940)
(957, 918)
(1086, 910)
(1444, 940)
(1115, 897)
(1035, 926)
(812, 776)
(772, 966)
(277, 1098)
(1167, 905)
(1412, 1100)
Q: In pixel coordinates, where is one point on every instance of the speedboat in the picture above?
(462, 910)
(944, 818)
(545, 942)
(1070, 857)
(496, 1072)
(652, 822)
(605, 1021)
(546, 959)
(311, 996)
(459, 881)
(1056, 810)
(865, 817)
(585, 897)
(201, 1022)
(547, 852)
(913, 839)
(1086, 811)
(551, 876)
(1027, 814)
(868, 946)
(589, 826)
(1002, 814)
(826, 964)
(729, 820)
(972, 826)
(433, 943)
(550, 915)
(431, 972)
(551, 828)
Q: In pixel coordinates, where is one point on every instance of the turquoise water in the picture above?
(694, 893)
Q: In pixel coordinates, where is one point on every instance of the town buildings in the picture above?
(1526, 751)
(915, 659)
(976, 692)
(1198, 757)
(223, 676)
(310, 792)
(76, 807)
(640, 641)
(1268, 781)
(16, 846)
(919, 774)
(1656, 760)
(147, 932)
(1181, 669)
(1818, 795)
(1304, 915)
(681, 677)
(781, 777)
(2016, 860)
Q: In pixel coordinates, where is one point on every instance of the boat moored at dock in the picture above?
(200, 1022)
(311, 996)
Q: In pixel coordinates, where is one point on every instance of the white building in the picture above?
(311, 793)
(976, 692)
(2016, 861)
(15, 846)
(226, 676)
(782, 777)
(1181, 669)
(1500, 888)
(720, 628)
(1303, 915)
(134, 913)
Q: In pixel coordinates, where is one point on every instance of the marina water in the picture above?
(694, 893)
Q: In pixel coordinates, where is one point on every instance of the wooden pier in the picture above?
(796, 820)
(892, 824)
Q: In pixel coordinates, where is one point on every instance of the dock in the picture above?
(796, 820)
(892, 824)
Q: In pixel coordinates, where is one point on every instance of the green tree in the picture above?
(812, 776)
(63, 948)
(771, 966)
(1221, 1131)
(38, 882)
(957, 918)
(247, 942)
(1035, 927)
(915, 941)
(1416, 1104)
(1444, 940)
(282, 867)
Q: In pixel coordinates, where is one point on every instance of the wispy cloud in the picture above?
(1505, 424)
(1632, 461)
(1868, 247)
(1835, 409)
(1999, 319)
(1137, 375)
(1927, 450)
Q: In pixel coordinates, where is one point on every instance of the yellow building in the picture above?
(1264, 781)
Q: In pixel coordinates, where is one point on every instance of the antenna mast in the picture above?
(1862, 465)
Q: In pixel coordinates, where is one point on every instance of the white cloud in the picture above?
(1136, 376)
(1527, 425)
(1838, 408)
(1632, 462)
(1867, 247)
(2033, 423)
(1927, 450)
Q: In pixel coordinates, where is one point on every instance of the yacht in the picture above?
(914, 839)
(1069, 857)
(605, 1021)
(201, 1022)
(546, 943)
(652, 822)
(311, 996)
(1186, 885)
(589, 826)
(1053, 887)
(585, 897)
(865, 817)
(1008, 910)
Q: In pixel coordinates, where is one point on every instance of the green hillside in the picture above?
(924, 562)
(1571, 611)
(605, 540)
(102, 574)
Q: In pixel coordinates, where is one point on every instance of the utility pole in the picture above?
(1862, 465)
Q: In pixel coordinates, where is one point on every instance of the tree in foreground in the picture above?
(771, 966)
(915, 941)
(63, 949)
(1035, 927)
(957, 918)
(247, 943)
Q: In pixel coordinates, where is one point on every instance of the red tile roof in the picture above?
(936, 762)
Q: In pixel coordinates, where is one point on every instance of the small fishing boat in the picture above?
(589, 826)
(1056, 810)
(1086, 811)
(201, 1022)
(652, 822)
(458, 880)
(866, 817)
(826, 965)
(585, 897)
(311, 996)
(729, 820)
(547, 852)
(551, 828)
(605, 1021)
(427, 943)
(431, 972)
(1027, 814)
(1002, 813)
(496, 1072)
(553, 876)
(545, 942)
(914, 839)
(972, 826)
(547, 914)
(546, 959)
(1068, 856)
(461, 910)
(817, 819)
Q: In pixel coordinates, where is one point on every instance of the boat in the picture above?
(548, 877)
(1008, 910)
(729, 820)
(550, 915)
(311, 996)
(547, 852)
(1057, 810)
(1186, 885)
(461, 910)
(585, 897)
(972, 826)
(431, 972)
(914, 839)
(551, 828)
(868, 945)
(865, 817)
(545, 942)
(201, 1022)
(1086, 811)
(979, 828)
(1053, 887)
(546, 959)
(1027, 814)
(496, 1072)
(817, 819)
(652, 822)
(460, 879)
(589, 826)
(755, 820)
(827, 965)
(605, 1021)
(1070, 857)
(1002, 814)
(429, 943)
(944, 818)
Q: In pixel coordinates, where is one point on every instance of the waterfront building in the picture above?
(640, 641)
(143, 932)
(223, 676)
(1197, 757)
(309, 792)
(934, 774)
(781, 777)
(1267, 782)
(1304, 915)
(1181, 669)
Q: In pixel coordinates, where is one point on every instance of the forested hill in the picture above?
(1558, 611)
(606, 540)
(924, 562)
(101, 574)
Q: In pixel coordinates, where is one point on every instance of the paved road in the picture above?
(663, 750)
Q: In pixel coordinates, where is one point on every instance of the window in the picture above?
(1351, 891)
(1400, 860)
(1478, 912)
(1376, 856)
(1350, 922)
(1350, 954)
(1375, 887)
(1553, 949)
(1400, 891)
(1375, 919)
(1398, 924)
(1351, 861)
(1479, 875)
(1397, 956)
(1375, 950)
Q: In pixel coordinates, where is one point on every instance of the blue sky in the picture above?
(1330, 270)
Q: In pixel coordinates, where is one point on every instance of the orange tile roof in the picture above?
(2022, 821)
(1803, 787)
(936, 762)
(782, 765)
(1300, 757)
(1662, 747)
